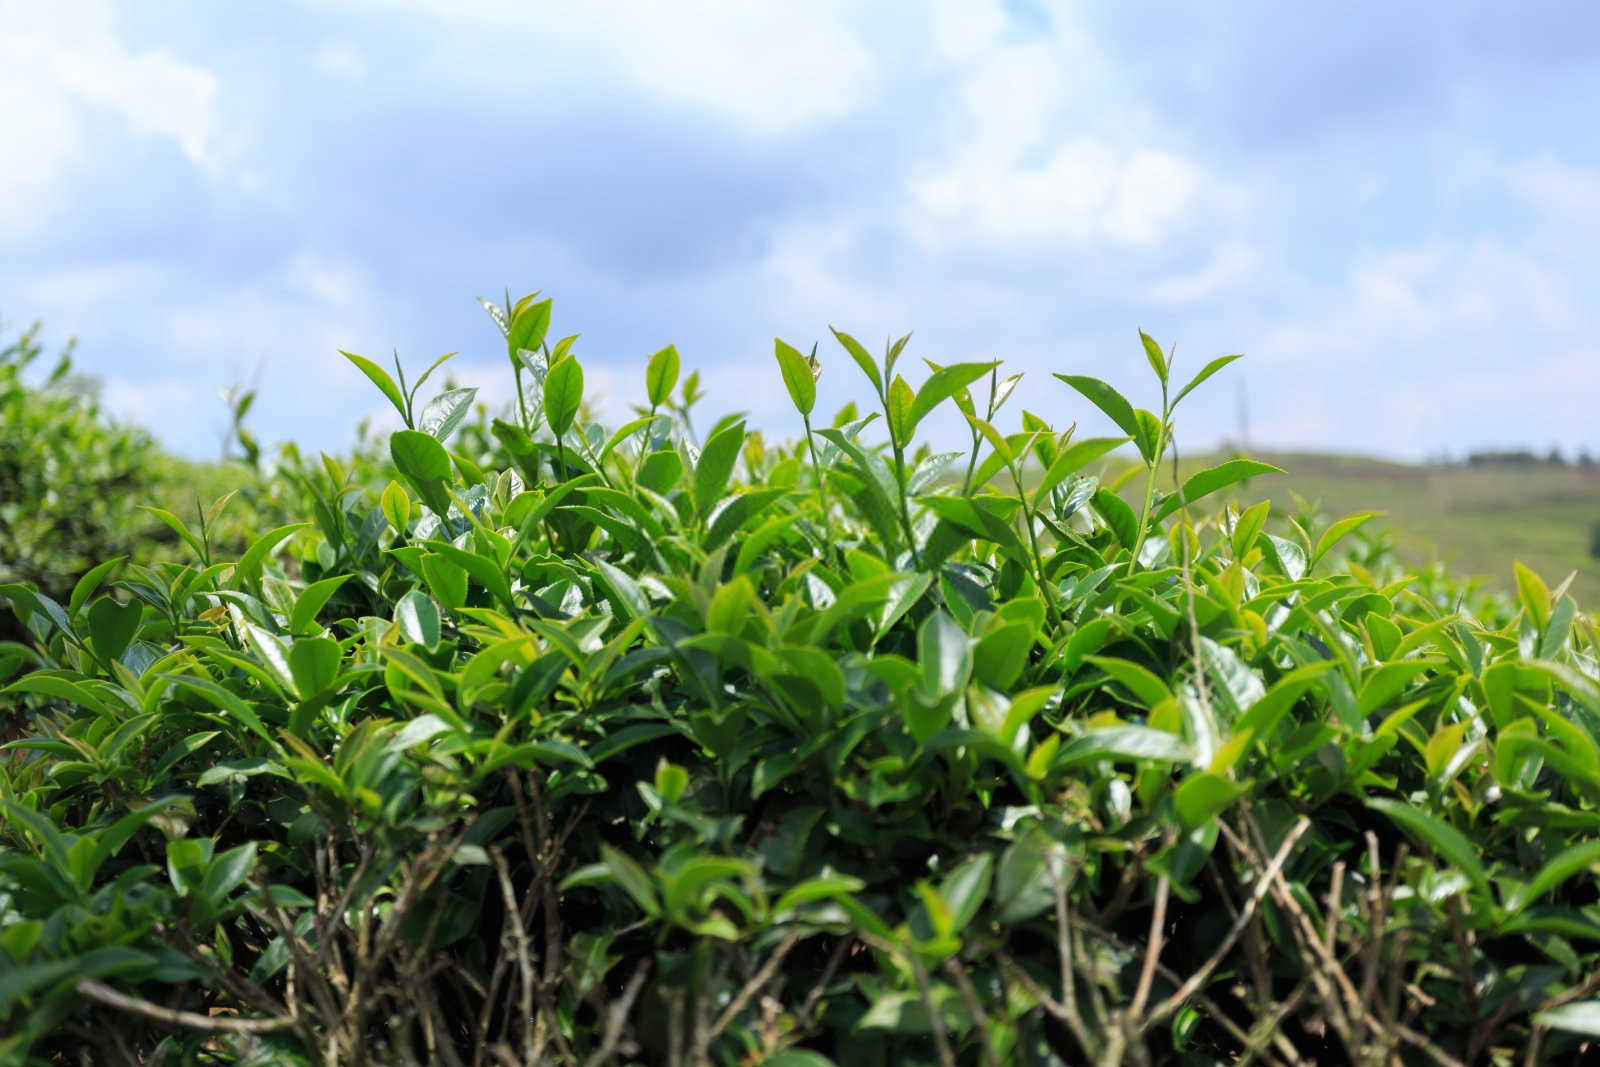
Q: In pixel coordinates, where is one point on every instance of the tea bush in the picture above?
(580, 746)
(69, 481)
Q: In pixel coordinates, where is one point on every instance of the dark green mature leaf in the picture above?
(632, 878)
(624, 590)
(1024, 885)
(112, 626)
(1444, 839)
(1559, 869)
(879, 483)
(966, 888)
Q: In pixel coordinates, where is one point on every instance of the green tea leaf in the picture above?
(1152, 352)
(1533, 594)
(1205, 372)
(311, 600)
(901, 400)
(85, 586)
(1575, 1017)
(945, 653)
(798, 377)
(1440, 836)
(1248, 527)
(563, 394)
(395, 503)
(529, 324)
(1150, 690)
(1338, 531)
(1023, 886)
(1135, 743)
(941, 385)
(863, 360)
(1118, 516)
(1208, 481)
(632, 878)
(112, 626)
(380, 377)
(445, 412)
(418, 619)
(1107, 399)
(1074, 458)
(716, 464)
(661, 376)
(1201, 796)
(227, 872)
(426, 465)
(965, 889)
(314, 664)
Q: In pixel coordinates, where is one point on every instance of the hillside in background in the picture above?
(1474, 519)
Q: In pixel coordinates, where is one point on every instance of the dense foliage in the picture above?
(70, 482)
(575, 746)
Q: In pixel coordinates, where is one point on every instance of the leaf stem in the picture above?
(1152, 465)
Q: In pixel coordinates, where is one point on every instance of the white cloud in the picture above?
(342, 61)
(1231, 269)
(768, 68)
(61, 64)
(963, 29)
(1087, 192)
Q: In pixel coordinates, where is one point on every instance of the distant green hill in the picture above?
(1475, 519)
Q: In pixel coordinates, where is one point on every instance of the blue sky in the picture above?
(1393, 210)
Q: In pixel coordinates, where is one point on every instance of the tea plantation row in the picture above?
(529, 741)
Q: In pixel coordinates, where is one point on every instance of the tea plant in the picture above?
(572, 745)
(69, 482)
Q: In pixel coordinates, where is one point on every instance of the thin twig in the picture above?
(519, 938)
(1262, 887)
(970, 996)
(220, 1024)
(754, 986)
(1152, 949)
(617, 1017)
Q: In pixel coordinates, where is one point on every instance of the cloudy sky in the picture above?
(1392, 209)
